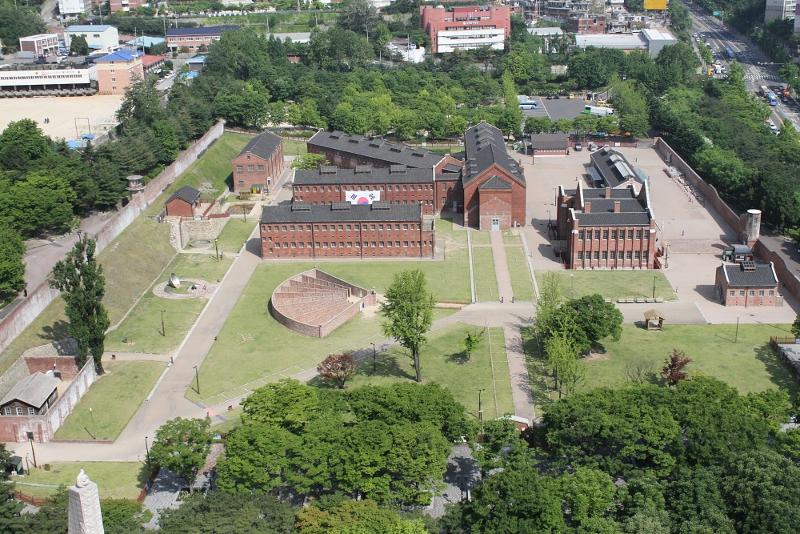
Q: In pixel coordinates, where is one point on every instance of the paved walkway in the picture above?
(504, 290)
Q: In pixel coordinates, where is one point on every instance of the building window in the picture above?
(31, 411)
(605, 254)
(752, 292)
(19, 411)
(630, 234)
(638, 234)
(636, 254)
(741, 292)
(580, 254)
(260, 168)
(597, 235)
(613, 254)
(397, 244)
(629, 255)
(581, 235)
(733, 293)
(605, 234)
(249, 168)
(7, 410)
(760, 292)
(771, 292)
(613, 234)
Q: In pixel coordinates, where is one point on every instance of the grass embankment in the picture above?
(115, 480)
(612, 284)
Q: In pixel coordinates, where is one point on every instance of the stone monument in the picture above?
(84, 507)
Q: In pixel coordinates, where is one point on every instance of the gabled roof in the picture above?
(187, 194)
(263, 145)
(395, 174)
(202, 30)
(549, 141)
(377, 149)
(495, 182)
(78, 28)
(120, 55)
(762, 275)
(614, 168)
(634, 208)
(484, 146)
(302, 212)
(33, 390)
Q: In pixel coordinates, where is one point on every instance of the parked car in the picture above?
(578, 147)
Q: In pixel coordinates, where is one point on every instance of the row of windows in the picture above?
(299, 198)
(587, 234)
(202, 38)
(334, 227)
(752, 292)
(353, 244)
(8, 411)
(44, 77)
(323, 188)
(250, 168)
(636, 255)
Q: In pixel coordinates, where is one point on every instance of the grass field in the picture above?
(141, 329)
(212, 168)
(485, 277)
(292, 147)
(115, 480)
(612, 284)
(443, 360)
(111, 401)
(480, 238)
(235, 233)
(748, 364)
(518, 268)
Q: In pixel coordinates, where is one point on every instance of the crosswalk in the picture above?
(756, 76)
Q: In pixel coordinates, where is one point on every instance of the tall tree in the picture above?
(359, 16)
(181, 445)
(82, 284)
(12, 270)
(597, 318)
(408, 313)
(21, 143)
(228, 513)
(78, 46)
(10, 509)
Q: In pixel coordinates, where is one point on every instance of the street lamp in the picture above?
(94, 426)
(480, 405)
(654, 286)
(197, 378)
(33, 451)
(374, 359)
(146, 451)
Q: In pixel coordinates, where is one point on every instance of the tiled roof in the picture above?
(612, 166)
(203, 30)
(396, 174)
(613, 219)
(377, 149)
(120, 55)
(77, 28)
(554, 141)
(262, 145)
(484, 146)
(187, 194)
(33, 390)
(763, 275)
(495, 182)
(600, 192)
(633, 208)
(149, 60)
(301, 212)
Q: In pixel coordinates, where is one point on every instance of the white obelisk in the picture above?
(84, 507)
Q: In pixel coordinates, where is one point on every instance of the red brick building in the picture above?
(183, 203)
(546, 144)
(605, 228)
(42, 44)
(302, 230)
(194, 38)
(466, 28)
(32, 395)
(259, 164)
(492, 181)
(587, 24)
(747, 284)
(396, 184)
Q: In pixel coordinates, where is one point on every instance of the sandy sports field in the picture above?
(91, 114)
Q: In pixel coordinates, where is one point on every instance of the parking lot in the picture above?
(695, 234)
(559, 108)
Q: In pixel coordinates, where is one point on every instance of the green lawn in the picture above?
(480, 238)
(612, 284)
(485, 277)
(213, 167)
(518, 268)
(747, 364)
(235, 233)
(443, 360)
(141, 329)
(292, 147)
(115, 480)
(113, 400)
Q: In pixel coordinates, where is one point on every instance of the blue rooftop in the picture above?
(200, 60)
(88, 28)
(146, 41)
(119, 55)
(191, 75)
(203, 30)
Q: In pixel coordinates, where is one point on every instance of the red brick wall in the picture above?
(472, 201)
(578, 249)
(64, 364)
(447, 192)
(495, 203)
(245, 179)
(277, 239)
(395, 193)
(178, 207)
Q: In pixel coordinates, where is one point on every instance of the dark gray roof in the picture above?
(202, 30)
(550, 141)
(377, 149)
(396, 174)
(495, 182)
(484, 146)
(186, 193)
(600, 192)
(262, 145)
(762, 276)
(33, 390)
(301, 212)
(612, 166)
(613, 219)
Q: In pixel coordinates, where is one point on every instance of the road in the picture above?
(757, 67)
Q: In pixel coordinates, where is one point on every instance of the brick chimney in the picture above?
(587, 207)
(617, 207)
(608, 192)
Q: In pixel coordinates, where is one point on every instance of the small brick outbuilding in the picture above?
(183, 202)
(747, 284)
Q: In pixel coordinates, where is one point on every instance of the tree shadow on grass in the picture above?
(386, 364)
(778, 370)
(56, 331)
(458, 357)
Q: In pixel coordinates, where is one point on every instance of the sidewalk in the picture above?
(504, 289)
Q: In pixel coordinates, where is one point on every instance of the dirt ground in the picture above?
(695, 233)
(67, 114)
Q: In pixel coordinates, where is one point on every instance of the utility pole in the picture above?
(197, 378)
(146, 450)
(654, 286)
(374, 359)
(30, 440)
